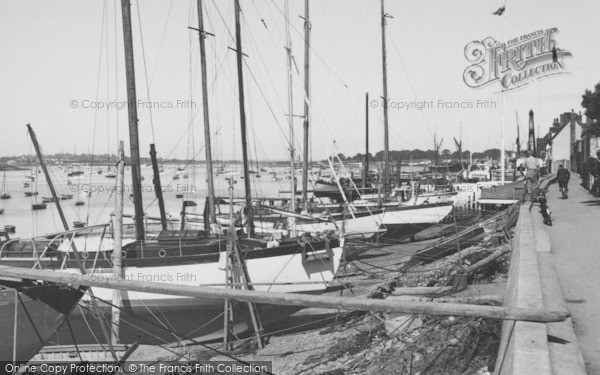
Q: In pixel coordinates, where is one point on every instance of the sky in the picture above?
(60, 59)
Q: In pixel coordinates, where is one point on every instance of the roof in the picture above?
(577, 121)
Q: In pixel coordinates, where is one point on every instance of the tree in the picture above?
(591, 103)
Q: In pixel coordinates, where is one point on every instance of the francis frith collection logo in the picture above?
(516, 62)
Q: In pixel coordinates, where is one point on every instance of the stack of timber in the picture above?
(499, 222)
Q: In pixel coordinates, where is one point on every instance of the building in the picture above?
(561, 141)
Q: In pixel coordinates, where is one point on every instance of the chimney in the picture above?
(555, 126)
(564, 118)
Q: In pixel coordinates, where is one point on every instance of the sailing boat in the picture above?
(191, 257)
(4, 194)
(30, 314)
(35, 205)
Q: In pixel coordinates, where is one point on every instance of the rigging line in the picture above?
(267, 103)
(137, 3)
(162, 41)
(281, 36)
(104, 16)
(79, 305)
(184, 337)
(107, 88)
(223, 20)
(190, 84)
(72, 338)
(37, 333)
(331, 70)
(390, 34)
(187, 162)
(264, 65)
(116, 73)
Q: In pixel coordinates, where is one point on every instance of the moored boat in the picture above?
(30, 314)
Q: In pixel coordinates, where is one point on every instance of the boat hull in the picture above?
(292, 271)
(35, 311)
(409, 220)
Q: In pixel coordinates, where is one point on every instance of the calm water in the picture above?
(98, 207)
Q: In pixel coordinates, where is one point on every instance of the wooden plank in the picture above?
(290, 299)
(420, 291)
(490, 258)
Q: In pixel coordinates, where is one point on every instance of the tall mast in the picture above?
(386, 141)
(502, 146)
(133, 120)
(238, 42)
(366, 167)
(209, 165)
(288, 47)
(518, 137)
(460, 155)
(306, 102)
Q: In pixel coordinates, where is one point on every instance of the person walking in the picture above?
(563, 176)
(532, 164)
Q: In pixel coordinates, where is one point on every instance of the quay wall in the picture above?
(528, 347)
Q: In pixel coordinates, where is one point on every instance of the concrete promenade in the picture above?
(575, 242)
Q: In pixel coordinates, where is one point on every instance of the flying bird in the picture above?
(500, 11)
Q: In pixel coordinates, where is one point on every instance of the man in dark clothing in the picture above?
(563, 176)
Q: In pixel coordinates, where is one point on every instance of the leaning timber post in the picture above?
(158, 187)
(293, 299)
(95, 308)
(118, 242)
(38, 151)
(245, 280)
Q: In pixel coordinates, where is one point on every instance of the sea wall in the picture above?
(527, 347)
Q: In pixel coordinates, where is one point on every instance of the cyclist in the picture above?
(563, 176)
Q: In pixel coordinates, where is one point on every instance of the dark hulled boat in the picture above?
(30, 314)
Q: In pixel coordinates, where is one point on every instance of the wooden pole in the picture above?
(105, 330)
(209, 165)
(157, 187)
(240, 66)
(227, 312)
(293, 299)
(366, 166)
(485, 261)
(386, 140)
(36, 146)
(288, 43)
(118, 241)
(306, 103)
(518, 137)
(244, 282)
(134, 147)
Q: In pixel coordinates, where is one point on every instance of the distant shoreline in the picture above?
(4, 168)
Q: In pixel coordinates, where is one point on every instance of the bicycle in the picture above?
(564, 190)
